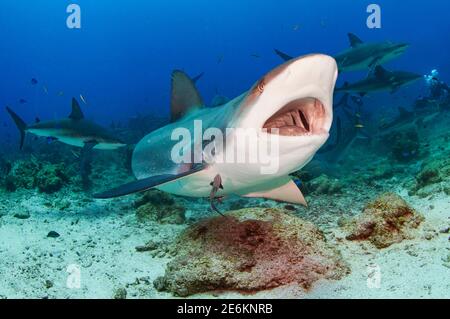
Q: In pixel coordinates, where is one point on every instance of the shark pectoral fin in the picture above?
(373, 64)
(289, 193)
(184, 96)
(76, 114)
(145, 184)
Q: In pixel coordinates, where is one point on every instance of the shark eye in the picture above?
(261, 86)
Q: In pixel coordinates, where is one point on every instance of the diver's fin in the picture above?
(283, 55)
(354, 40)
(289, 193)
(76, 114)
(145, 184)
(21, 125)
(184, 96)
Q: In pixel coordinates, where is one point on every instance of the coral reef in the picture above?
(48, 178)
(385, 221)
(433, 177)
(250, 250)
(324, 185)
(51, 178)
(22, 175)
(405, 145)
(161, 207)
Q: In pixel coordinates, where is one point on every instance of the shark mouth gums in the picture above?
(305, 116)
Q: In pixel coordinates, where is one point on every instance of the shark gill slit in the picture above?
(299, 117)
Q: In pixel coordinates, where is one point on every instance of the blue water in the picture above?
(122, 57)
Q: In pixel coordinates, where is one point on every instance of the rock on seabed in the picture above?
(250, 250)
(385, 221)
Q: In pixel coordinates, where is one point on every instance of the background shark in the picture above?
(74, 130)
(363, 56)
(381, 80)
(296, 98)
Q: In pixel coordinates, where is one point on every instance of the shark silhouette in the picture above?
(381, 80)
(363, 56)
(74, 130)
(296, 98)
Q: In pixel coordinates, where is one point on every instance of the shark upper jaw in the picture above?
(294, 100)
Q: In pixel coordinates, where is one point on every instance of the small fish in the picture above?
(34, 81)
(45, 89)
(220, 59)
(359, 126)
(296, 27)
(257, 56)
(60, 93)
(22, 101)
(83, 99)
(37, 120)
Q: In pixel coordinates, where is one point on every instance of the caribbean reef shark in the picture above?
(292, 102)
(363, 56)
(74, 130)
(381, 80)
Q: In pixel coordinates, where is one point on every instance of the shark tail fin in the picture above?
(21, 125)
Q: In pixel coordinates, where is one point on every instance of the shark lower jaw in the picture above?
(299, 118)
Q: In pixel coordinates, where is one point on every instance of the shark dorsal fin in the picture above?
(76, 114)
(354, 40)
(184, 96)
(380, 72)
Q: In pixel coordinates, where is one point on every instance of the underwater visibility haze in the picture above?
(224, 149)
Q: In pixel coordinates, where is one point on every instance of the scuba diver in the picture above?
(439, 93)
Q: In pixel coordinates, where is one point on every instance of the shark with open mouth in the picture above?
(293, 101)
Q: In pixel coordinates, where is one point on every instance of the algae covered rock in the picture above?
(250, 250)
(29, 174)
(405, 145)
(385, 221)
(324, 185)
(50, 178)
(159, 206)
(22, 175)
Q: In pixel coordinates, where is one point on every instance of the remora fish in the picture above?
(296, 98)
(363, 56)
(74, 130)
